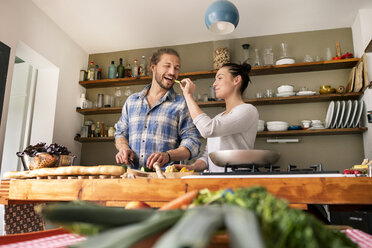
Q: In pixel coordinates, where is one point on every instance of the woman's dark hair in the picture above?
(242, 70)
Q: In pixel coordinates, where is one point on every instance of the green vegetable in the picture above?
(92, 213)
(243, 227)
(145, 169)
(84, 228)
(281, 226)
(126, 236)
(195, 229)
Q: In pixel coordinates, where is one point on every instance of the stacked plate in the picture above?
(344, 114)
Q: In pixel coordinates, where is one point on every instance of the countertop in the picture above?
(117, 192)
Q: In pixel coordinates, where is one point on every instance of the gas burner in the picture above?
(253, 169)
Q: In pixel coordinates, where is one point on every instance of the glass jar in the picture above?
(268, 56)
(118, 97)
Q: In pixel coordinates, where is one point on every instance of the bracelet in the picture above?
(169, 157)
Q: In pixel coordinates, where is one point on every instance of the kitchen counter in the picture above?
(298, 190)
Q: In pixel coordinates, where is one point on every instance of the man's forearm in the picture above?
(179, 154)
(121, 143)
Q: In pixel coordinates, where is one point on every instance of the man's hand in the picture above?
(161, 157)
(124, 155)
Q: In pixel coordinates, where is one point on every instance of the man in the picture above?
(155, 125)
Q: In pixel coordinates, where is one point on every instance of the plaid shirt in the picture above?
(167, 125)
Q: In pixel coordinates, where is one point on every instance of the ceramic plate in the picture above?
(335, 115)
(341, 114)
(359, 113)
(285, 94)
(353, 113)
(306, 93)
(346, 118)
(328, 119)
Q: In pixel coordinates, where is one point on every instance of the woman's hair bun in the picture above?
(246, 67)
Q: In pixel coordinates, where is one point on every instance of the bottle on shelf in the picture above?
(127, 70)
(99, 74)
(96, 73)
(102, 130)
(121, 69)
(91, 71)
(135, 69)
(257, 60)
(112, 70)
(83, 101)
(98, 129)
(143, 67)
(269, 56)
(246, 52)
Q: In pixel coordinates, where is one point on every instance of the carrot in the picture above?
(181, 201)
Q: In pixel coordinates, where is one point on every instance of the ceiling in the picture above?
(114, 25)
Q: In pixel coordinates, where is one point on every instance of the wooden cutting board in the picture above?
(365, 72)
(102, 170)
(350, 84)
(139, 173)
(358, 77)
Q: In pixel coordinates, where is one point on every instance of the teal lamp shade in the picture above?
(222, 17)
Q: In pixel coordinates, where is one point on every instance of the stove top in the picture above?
(252, 169)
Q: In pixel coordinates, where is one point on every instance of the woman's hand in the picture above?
(187, 86)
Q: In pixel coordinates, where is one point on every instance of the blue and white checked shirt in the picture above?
(167, 125)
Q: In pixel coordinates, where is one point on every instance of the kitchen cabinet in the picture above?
(256, 71)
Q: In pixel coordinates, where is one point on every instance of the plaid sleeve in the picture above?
(122, 124)
(189, 134)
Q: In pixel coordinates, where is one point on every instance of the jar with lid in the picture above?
(83, 101)
(111, 132)
(221, 54)
(100, 100)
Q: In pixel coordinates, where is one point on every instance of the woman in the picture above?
(236, 127)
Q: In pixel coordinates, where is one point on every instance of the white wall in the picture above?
(21, 20)
(44, 107)
(362, 35)
(17, 116)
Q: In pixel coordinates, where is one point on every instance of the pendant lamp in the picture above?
(222, 17)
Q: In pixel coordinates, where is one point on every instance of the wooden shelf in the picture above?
(369, 47)
(308, 132)
(289, 100)
(259, 101)
(256, 71)
(95, 139)
(312, 132)
(99, 111)
(141, 80)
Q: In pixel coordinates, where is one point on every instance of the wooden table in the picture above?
(346, 191)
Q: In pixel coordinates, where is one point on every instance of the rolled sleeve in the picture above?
(122, 124)
(189, 134)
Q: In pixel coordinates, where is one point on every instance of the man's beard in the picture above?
(159, 81)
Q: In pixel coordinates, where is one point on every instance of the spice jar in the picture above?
(111, 131)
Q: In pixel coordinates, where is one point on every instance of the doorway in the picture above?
(20, 113)
(32, 105)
